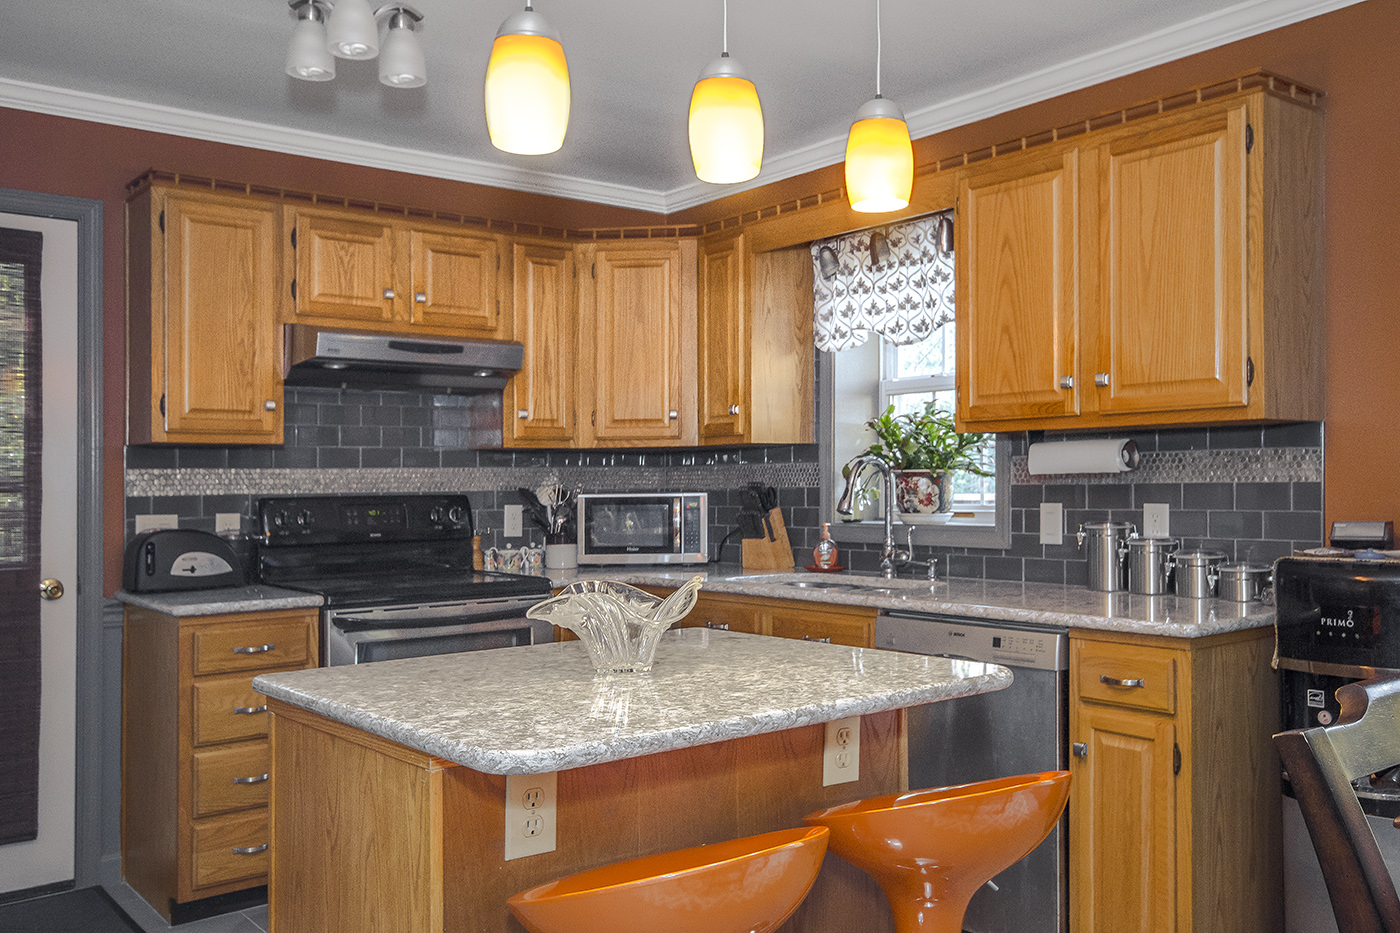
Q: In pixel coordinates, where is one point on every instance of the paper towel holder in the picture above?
(1073, 457)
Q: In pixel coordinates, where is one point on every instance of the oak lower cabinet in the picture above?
(785, 618)
(362, 270)
(203, 282)
(636, 358)
(1173, 814)
(195, 751)
(1166, 271)
(541, 401)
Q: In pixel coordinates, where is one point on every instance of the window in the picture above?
(858, 382)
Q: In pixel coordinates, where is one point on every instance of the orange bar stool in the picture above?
(739, 886)
(930, 850)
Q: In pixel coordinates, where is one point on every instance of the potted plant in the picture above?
(923, 448)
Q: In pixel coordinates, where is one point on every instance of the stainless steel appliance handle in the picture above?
(721, 626)
(824, 641)
(250, 850)
(253, 649)
(255, 779)
(1116, 682)
(249, 710)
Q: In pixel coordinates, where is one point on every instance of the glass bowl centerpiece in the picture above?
(620, 625)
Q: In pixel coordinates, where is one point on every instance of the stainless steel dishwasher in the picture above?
(1019, 730)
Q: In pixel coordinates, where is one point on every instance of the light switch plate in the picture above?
(514, 521)
(1156, 520)
(156, 522)
(841, 756)
(1052, 522)
(227, 523)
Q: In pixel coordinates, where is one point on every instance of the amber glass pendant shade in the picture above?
(879, 159)
(726, 125)
(527, 88)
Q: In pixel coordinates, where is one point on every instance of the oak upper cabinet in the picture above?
(1174, 824)
(203, 283)
(1166, 271)
(540, 404)
(360, 270)
(636, 359)
(723, 340)
(1017, 267)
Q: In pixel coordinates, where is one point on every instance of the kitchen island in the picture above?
(389, 780)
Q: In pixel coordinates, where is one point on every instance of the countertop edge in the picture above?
(193, 603)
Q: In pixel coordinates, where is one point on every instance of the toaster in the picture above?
(179, 559)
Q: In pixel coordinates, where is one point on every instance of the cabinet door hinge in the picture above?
(594, 270)
(1176, 759)
(1248, 371)
(1248, 138)
(294, 238)
(498, 262)
(162, 405)
(294, 289)
(161, 222)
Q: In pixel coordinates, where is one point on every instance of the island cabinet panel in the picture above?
(371, 836)
(195, 759)
(1173, 813)
(636, 342)
(1162, 272)
(204, 360)
(540, 402)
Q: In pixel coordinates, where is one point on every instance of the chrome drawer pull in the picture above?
(251, 850)
(253, 649)
(256, 779)
(1115, 682)
(249, 710)
(722, 626)
(824, 641)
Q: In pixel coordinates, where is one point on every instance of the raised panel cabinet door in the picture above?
(1172, 230)
(223, 376)
(540, 399)
(344, 269)
(454, 283)
(1018, 289)
(724, 347)
(1123, 821)
(638, 344)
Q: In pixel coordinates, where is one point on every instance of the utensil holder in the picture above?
(763, 554)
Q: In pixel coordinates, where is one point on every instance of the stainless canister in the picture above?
(1148, 564)
(1244, 583)
(1101, 542)
(1193, 572)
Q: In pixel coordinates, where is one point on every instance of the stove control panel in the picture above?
(355, 519)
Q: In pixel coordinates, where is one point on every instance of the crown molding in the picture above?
(1204, 32)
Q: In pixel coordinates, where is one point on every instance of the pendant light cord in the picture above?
(724, 46)
(878, 48)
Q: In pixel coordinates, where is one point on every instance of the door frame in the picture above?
(88, 744)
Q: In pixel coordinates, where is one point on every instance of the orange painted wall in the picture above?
(1349, 54)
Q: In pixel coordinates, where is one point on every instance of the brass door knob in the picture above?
(50, 588)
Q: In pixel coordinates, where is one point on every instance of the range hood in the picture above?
(318, 356)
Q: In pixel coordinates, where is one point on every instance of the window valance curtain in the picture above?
(904, 298)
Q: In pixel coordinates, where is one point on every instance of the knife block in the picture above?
(763, 554)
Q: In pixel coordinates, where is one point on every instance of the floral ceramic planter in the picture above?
(922, 492)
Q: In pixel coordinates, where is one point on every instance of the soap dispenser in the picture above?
(824, 554)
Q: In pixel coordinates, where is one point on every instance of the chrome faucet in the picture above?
(891, 556)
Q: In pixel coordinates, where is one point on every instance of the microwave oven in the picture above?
(643, 528)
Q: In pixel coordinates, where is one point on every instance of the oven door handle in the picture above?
(406, 620)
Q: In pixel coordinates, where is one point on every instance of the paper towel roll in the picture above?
(1104, 456)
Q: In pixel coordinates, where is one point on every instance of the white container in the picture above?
(560, 556)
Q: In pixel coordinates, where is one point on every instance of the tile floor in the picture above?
(252, 920)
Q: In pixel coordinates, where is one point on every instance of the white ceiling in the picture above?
(212, 69)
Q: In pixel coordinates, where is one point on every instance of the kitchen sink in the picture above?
(842, 582)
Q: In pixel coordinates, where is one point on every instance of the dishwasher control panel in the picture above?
(1037, 648)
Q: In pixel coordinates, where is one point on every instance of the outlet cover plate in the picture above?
(1156, 520)
(532, 814)
(156, 522)
(514, 526)
(841, 756)
(227, 522)
(1052, 522)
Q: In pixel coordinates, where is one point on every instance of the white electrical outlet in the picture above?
(514, 521)
(227, 523)
(841, 757)
(1052, 522)
(532, 813)
(156, 522)
(1156, 521)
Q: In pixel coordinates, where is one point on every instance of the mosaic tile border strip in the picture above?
(1266, 465)
(273, 482)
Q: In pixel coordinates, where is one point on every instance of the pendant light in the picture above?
(527, 86)
(879, 155)
(308, 58)
(726, 120)
(401, 62)
(352, 32)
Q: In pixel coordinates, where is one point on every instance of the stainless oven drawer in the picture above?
(354, 636)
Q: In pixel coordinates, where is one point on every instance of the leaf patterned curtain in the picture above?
(905, 298)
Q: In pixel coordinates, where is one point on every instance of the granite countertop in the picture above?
(257, 598)
(536, 709)
(994, 600)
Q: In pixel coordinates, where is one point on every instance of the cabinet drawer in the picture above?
(242, 646)
(216, 704)
(214, 856)
(818, 623)
(1127, 675)
(230, 779)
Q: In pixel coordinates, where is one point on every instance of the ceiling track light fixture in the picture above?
(879, 155)
(308, 56)
(726, 120)
(527, 86)
(401, 61)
